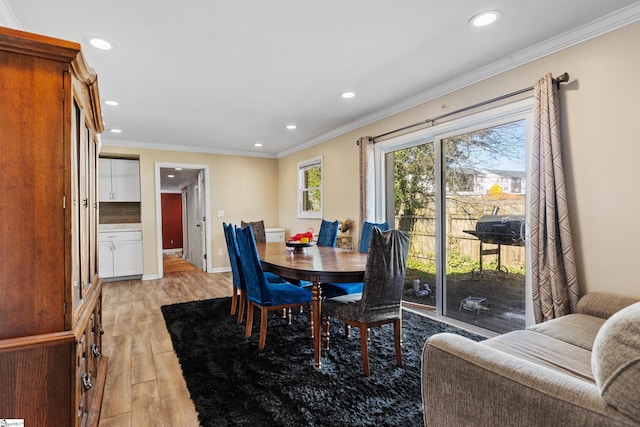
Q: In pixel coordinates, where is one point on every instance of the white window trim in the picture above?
(301, 166)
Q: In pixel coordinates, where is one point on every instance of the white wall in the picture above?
(245, 188)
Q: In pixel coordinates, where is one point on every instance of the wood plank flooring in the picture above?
(145, 386)
(173, 262)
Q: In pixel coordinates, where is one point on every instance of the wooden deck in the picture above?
(502, 311)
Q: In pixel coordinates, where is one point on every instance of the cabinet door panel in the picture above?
(104, 180)
(125, 180)
(127, 258)
(105, 260)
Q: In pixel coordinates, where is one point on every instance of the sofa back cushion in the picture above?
(615, 361)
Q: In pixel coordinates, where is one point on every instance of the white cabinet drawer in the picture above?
(118, 236)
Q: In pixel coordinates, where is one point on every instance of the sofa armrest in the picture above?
(602, 304)
(468, 383)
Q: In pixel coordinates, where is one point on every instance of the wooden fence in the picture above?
(461, 215)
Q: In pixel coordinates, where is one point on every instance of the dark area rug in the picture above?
(234, 384)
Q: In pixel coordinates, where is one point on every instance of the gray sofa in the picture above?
(581, 369)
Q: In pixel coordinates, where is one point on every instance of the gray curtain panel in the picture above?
(553, 266)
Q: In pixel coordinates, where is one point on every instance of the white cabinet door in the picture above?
(104, 180)
(105, 259)
(120, 254)
(125, 180)
(119, 180)
(127, 258)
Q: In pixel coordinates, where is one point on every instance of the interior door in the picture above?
(196, 223)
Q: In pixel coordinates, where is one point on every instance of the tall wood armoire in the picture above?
(52, 372)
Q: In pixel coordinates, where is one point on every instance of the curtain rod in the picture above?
(560, 79)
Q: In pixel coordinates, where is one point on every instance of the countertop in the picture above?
(120, 227)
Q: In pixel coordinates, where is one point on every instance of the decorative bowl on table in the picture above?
(298, 246)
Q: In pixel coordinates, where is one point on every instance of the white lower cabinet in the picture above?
(274, 234)
(120, 254)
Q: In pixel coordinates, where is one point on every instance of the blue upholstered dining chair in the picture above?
(365, 235)
(239, 295)
(381, 299)
(261, 293)
(331, 290)
(328, 235)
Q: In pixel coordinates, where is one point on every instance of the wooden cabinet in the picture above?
(120, 254)
(119, 180)
(52, 371)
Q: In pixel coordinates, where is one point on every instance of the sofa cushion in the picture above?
(616, 361)
(546, 351)
(576, 329)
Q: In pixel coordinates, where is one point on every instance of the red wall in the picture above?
(171, 220)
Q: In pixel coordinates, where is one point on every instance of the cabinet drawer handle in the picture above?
(86, 381)
(101, 330)
(96, 351)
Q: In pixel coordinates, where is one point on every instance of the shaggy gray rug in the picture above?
(234, 384)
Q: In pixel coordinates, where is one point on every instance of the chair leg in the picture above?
(263, 328)
(365, 350)
(243, 300)
(234, 299)
(397, 333)
(249, 326)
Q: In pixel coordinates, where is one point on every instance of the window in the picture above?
(310, 188)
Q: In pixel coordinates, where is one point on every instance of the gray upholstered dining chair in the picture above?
(381, 299)
(331, 290)
(259, 231)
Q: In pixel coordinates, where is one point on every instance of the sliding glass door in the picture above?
(460, 192)
(484, 223)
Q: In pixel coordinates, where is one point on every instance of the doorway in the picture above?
(190, 183)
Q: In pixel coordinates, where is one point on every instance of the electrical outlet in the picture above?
(220, 213)
(220, 251)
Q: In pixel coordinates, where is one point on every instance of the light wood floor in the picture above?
(145, 386)
(173, 262)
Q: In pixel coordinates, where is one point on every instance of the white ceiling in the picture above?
(220, 75)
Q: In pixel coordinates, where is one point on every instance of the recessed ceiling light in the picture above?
(100, 43)
(292, 127)
(485, 18)
(111, 102)
(257, 144)
(115, 130)
(178, 169)
(171, 176)
(347, 95)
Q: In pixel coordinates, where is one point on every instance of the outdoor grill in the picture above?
(497, 230)
(500, 229)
